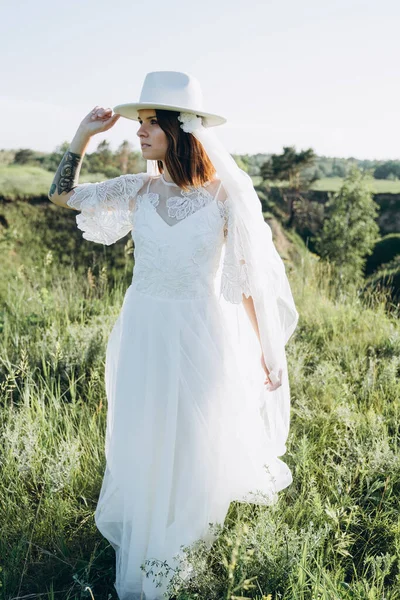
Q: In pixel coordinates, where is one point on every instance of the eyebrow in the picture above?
(151, 117)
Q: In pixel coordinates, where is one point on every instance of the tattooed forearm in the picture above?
(67, 173)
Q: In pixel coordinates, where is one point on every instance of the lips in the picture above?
(145, 145)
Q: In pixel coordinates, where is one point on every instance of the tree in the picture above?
(388, 170)
(350, 230)
(24, 156)
(122, 156)
(241, 161)
(288, 166)
(102, 158)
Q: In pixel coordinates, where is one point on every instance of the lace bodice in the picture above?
(178, 236)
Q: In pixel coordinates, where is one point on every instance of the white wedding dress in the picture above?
(185, 435)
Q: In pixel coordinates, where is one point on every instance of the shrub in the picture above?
(385, 250)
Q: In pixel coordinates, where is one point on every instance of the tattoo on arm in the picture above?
(67, 174)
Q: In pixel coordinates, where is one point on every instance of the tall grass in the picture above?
(334, 533)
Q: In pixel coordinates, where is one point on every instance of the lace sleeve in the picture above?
(234, 276)
(106, 207)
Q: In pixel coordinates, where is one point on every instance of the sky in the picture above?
(311, 74)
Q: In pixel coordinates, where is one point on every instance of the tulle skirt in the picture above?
(184, 435)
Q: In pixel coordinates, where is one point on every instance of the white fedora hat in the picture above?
(170, 90)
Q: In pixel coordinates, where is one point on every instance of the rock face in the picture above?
(287, 250)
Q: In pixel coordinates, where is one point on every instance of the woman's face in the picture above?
(150, 133)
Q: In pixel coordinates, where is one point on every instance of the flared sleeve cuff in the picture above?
(106, 208)
(234, 276)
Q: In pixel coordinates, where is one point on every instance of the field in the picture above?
(25, 182)
(333, 535)
(378, 186)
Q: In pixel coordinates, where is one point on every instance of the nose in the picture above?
(141, 131)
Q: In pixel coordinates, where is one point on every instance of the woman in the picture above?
(195, 417)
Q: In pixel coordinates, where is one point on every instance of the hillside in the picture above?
(334, 533)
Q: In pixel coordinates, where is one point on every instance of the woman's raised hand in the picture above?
(98, 120)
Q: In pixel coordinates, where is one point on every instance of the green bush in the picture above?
(385, 250)
(387, 277)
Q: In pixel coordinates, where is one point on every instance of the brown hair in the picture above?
(186, 160)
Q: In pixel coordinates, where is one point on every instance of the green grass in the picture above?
(24, 182)
(334, 533)
(378, 186)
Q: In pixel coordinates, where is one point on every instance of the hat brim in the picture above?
(130, 111)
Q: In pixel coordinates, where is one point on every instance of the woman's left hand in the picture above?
(270, 386)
